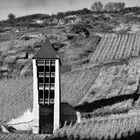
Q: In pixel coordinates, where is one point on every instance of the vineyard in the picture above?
(106, 88)
(103, 128)
(14, 136)
(114, 47)
(114, 83)
(15, 97)
(16, 94)
(76, 84)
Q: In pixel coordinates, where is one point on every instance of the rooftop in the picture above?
(46, 51)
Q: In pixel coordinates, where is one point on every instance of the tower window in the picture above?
(52, 80)
(52, 94)
(53, 62)
(46, 80)
(40, 93)
(52, 68)
(46, 94)
(40, 68)
(40, 79)
(47, 68)
(40, 96)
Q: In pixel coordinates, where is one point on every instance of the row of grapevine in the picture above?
(107, 50)
(16, 97)
(116, 126)
(114, 47)
(14, 136)
(129, 48)
(104, 112)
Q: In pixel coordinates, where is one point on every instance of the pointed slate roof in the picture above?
(46, 51)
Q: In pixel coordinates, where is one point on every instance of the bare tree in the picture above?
(97, 6)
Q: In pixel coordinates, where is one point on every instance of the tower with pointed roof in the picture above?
(46, 90)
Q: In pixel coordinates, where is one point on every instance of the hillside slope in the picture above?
(100, 73)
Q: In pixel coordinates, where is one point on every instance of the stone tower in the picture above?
(46, 90)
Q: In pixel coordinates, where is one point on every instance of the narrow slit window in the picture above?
(46, 97)
(52, 94)
(47, 68)
(40, 93)
(40, 79)
(40, 68)
(52, 68)
(46, 79)
(52, 80)
(53, 62)
(46, 94)
(40, 96)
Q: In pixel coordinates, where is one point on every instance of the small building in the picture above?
(61, 22)
(45, 109)
(47, 21)
(46, 90)
(55, 21)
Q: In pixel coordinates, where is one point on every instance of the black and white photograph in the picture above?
(69, 69)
